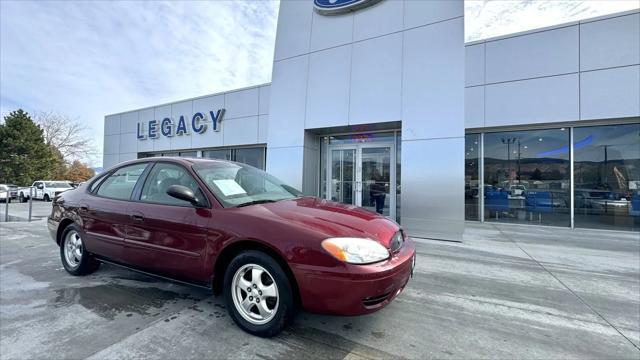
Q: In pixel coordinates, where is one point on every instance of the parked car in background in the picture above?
(516, 190)
(599, 201)
(44, 190)
(5, 195)
(13, 190)
(238, 231)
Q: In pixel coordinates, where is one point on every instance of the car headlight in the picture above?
(355, 250)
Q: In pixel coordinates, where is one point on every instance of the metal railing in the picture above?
(7, 200)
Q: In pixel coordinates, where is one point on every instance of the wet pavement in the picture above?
(505, 292)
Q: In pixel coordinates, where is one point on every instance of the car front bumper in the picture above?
(355, 289)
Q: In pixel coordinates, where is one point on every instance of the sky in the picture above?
(87, 59)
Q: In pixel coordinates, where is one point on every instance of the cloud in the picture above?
(490, 18)
(89, 59)
(86, 59)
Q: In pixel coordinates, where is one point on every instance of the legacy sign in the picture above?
(167, 127)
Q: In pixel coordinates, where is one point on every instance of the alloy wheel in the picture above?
(255, 294)
(73, 249)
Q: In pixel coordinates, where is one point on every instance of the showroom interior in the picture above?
(406, 119)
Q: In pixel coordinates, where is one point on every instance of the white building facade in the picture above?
(384, 106)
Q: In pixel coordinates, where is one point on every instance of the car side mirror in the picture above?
(183, 193)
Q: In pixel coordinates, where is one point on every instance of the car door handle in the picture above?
(136, 217)
(82, 207)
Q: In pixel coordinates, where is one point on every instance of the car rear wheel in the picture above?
(258, 294)
(75, 259)
(22, 198)
(46, 198)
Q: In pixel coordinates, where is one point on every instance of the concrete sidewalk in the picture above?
(550, 293)
(20, 211)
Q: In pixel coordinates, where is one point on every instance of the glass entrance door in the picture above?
(342, 176)
(363, 175)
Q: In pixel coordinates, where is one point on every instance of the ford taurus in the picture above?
(237, 231)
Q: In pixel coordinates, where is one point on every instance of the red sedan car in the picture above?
(237, 231)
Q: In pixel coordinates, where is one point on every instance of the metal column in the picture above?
(481, 177)
(571, 179)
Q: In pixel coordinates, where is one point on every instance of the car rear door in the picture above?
(166, 235)
(105, 211)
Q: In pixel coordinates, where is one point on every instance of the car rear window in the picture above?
(120, 184)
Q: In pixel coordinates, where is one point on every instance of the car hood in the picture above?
(59, 189)
(328, 218)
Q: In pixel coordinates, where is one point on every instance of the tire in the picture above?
(86, 264)
(46, 198)
(21, 198)
(257, 320)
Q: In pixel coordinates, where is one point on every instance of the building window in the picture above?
(254, 156)
(607, 177)
(527, 177)
(251, 156)
(190, 154)
(472, 177)
(220, 154)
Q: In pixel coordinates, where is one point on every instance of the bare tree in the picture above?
(66, 135)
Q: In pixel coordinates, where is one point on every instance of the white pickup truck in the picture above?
(44, 190)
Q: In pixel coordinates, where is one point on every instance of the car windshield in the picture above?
(57, 184)
(237, 184)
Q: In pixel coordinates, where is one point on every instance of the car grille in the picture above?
(396, 242)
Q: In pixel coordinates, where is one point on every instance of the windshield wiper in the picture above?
(254, 202)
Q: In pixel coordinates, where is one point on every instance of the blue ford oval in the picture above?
(330, 7)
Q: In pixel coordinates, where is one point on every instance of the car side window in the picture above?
(120, 184)
(161, 177)
(94, 185)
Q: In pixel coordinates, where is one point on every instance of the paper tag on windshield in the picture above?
(229, 187)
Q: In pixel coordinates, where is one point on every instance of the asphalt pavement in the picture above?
(504, 292)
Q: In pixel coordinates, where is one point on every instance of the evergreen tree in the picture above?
(24, 156)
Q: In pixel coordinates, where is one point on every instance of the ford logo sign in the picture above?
(331, 7)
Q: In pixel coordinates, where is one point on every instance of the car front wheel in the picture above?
(258, 294)
(75, 259)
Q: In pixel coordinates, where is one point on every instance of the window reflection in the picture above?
(607, 176)
(220, 154)
(191, 154)
(526, 177)
(250, 156)
(254, 156)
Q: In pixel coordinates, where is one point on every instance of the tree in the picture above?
(24, 155)
(66, 135)
(79, 172)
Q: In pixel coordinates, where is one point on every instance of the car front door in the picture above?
(166, 235)
(104, 211)
(37, 191)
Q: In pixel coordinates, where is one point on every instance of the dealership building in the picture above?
(540, 127)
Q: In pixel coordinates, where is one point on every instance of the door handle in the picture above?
(136, 217)
(84, 208)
